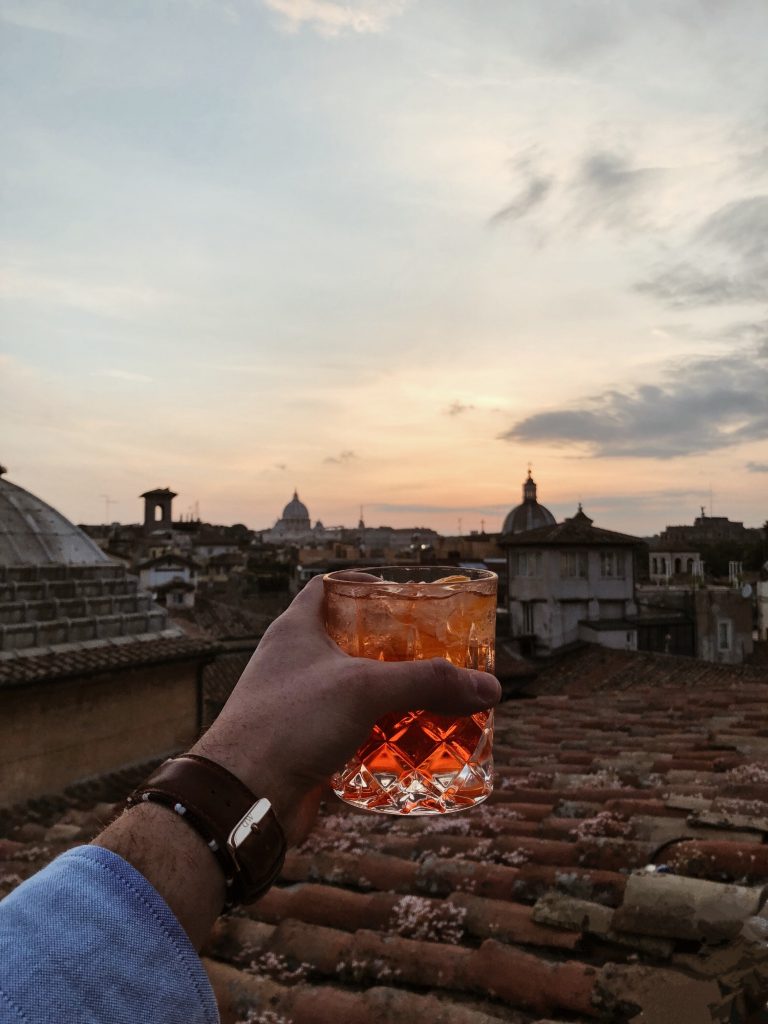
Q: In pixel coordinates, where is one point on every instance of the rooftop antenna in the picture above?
(107, 502)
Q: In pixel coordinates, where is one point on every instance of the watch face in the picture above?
(250, 820)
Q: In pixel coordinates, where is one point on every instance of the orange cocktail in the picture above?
(417, 762)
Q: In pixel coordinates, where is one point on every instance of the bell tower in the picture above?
(157, 508)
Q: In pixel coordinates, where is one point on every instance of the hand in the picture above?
(302, 707)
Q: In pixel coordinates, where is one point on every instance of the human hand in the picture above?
(302, 707)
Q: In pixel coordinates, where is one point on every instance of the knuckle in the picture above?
(443, 672)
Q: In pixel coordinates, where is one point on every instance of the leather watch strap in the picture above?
(241, 830)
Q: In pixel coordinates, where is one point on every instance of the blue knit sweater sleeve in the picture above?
(88, 940)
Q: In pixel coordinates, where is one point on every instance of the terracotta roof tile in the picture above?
(95, 656)
(617, 870)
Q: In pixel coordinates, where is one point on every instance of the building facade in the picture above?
(564, 575)
(93, 677)
(667, 561)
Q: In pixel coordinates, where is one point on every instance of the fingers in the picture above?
(305, 612)
(433, 685)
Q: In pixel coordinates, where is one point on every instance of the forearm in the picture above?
(175, 860)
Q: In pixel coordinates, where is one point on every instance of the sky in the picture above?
(388, 253)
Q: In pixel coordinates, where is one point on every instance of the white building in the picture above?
(170, 578)
(568, 581)
(666, 561)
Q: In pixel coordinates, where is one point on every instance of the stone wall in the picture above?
(53, 734)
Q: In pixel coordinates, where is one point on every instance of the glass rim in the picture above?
(474, 575)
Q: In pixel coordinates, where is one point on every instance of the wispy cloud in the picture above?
(534, 187)
(757, 467)
(330, 18)
(457, 408)
(342, 459)
(740, 227)
(704, 405)
(684, 286)
(603, 189)
(610, 191)
(728, 261)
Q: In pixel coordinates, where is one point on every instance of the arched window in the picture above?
(655, 569)
(678, 565)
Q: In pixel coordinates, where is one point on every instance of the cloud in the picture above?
(741, 227)
(605, 189)
(457, 408)
(757, 467)
(331, 18)
(535, 186)
(610, 191)
(342, 459)
(703, 405)
(281, 465)
(731, 262)
(684, 286)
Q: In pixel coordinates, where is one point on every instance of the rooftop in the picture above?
(617, 873)
(578, 530)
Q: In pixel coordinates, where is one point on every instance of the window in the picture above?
(655, 569)
(528, 563)
(573, 565)
(612, 565)
(527, 618)
(724, 636)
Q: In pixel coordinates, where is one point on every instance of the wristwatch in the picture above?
(240, 829)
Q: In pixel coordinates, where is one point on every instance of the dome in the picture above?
(33, 533)
(530, 515)
(295, 509)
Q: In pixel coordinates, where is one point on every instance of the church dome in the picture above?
(33, 533)
(530, 515)
(295, 509)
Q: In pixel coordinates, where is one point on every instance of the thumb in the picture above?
(431, 685)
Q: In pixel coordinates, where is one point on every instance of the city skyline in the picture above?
(387, 253)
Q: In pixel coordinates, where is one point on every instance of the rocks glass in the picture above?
(417, 762)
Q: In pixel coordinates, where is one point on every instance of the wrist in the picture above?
(175, 861)
(294, 801)
(239, 828)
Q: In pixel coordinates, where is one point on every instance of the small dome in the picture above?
(33, 533)
(295, 509)
(530, 515)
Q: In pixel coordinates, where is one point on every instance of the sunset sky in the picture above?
(386, 252)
